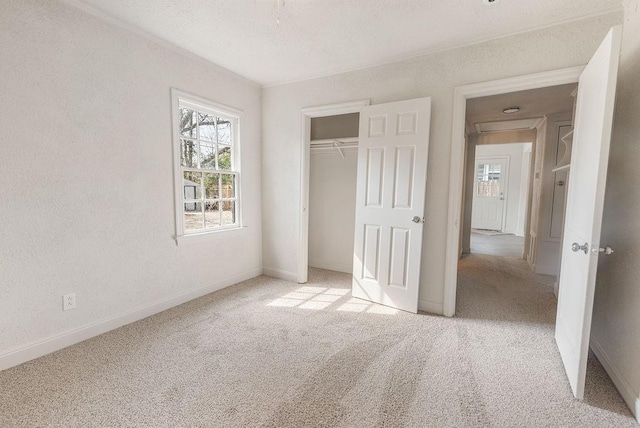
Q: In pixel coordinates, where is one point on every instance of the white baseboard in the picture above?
(431, 307)
(58, 341)
(338, 267)
(280, 274)
(632, 400)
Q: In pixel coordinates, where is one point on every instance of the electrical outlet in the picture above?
(69, 301)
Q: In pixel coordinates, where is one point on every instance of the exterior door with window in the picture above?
(391, 180)
(489, 194)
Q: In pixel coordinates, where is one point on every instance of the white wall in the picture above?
(87, 182)
(616, 316)
(432, 75)
(515, 202)
(332, 209)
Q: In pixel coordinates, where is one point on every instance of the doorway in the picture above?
(509, 211)
(307, 115)
(332, 191)
(456, 232)
(392, 155)
(593, 120)
(500, 199)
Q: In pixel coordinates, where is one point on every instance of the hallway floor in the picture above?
(505, 245)
(510, 312)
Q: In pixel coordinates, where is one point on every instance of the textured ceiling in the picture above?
(319, 37)
(533, 103)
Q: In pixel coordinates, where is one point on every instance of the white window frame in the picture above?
(180, 98)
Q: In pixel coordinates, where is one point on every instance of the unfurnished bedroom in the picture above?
(288, 213)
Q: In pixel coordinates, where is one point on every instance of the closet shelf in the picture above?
(561, 168)
(331, 141)
(568, 136)
(335, 144)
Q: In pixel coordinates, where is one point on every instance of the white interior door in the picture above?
(392, 174)
(489, 185)
(581, 241)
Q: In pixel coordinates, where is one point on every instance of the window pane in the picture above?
(224, 158)
(188, 153)
(228, 186)
(207, 156)
(228, 212)
(207, 127)
(480, 172)
(211, 186)
(192, 184)
(224, 130)
(188, 122)
(193, 218)
(212, 214)
(489, 180)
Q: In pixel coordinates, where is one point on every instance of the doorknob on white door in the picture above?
(417, 219)
(575, 247)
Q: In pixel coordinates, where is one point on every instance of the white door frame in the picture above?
(305, 162)
(504, 183)
(460, 96)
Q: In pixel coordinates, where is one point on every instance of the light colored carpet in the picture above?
(275, 354)
(488, 232)
(504, 245)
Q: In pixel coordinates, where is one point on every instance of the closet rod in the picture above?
(335, 145)
(333, 141)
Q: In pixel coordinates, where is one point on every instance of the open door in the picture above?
(391, 179)
(581, 241)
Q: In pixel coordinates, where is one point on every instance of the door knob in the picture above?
(575, 247)
(606, 250)
(416, 219)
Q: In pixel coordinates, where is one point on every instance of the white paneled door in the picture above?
(392, 172)
(490, 182)
(581, 241)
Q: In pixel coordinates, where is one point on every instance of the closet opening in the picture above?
(328, 194)
(332, 191)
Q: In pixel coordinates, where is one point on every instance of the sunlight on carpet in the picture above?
(319, 298)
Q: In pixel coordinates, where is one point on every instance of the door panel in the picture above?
(392, 171)
(375, 170)
(585, 200)
(399, 256)
(371, 251)
(403, 180)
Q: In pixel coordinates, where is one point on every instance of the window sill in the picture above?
(209, 235)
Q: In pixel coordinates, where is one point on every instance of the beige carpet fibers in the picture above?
(275, 354)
